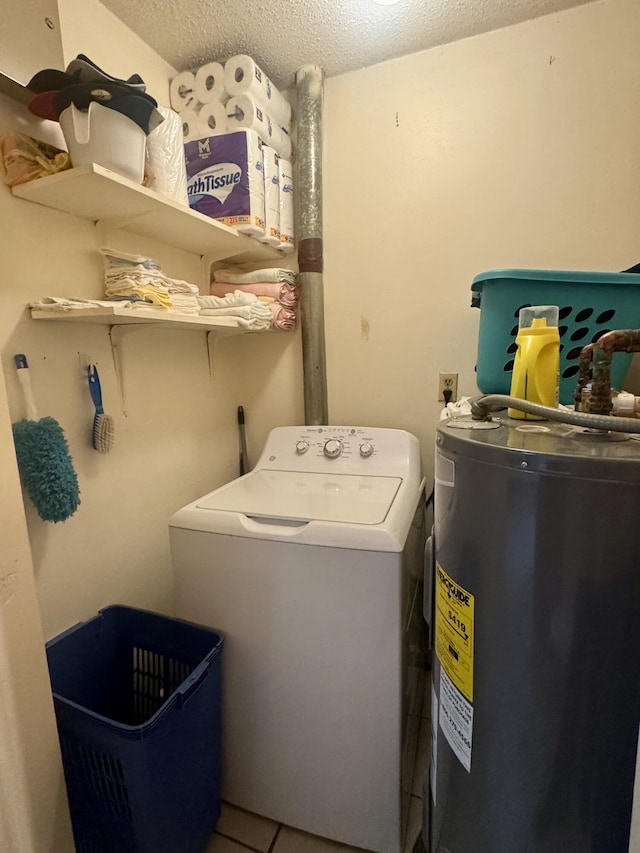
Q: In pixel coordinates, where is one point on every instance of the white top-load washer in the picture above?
(309, 565)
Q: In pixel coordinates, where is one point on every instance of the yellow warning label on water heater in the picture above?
(454, 631)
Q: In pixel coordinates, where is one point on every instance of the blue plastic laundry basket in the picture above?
(591, 303)
(137, 699)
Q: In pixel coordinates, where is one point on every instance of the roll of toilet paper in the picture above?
(271, 197)
(212, 119)
(209, 85)
(243, 77)
(285, 175)
(190, 124)
(243, 112)
(182, 91)
(165, 166)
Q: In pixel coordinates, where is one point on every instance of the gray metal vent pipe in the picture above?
(309, 85)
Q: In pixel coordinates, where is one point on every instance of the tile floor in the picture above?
(239, 831)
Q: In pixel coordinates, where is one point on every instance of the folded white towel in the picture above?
(177, 285)
(246, 307)
(185, 299)
(245, 320)
(184, 303)
(230, 276)
(257, 325)
(235, 298)
(249, 312)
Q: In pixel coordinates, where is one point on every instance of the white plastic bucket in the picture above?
(106, 137)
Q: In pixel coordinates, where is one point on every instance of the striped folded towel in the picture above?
(136, 269)
(156, 295)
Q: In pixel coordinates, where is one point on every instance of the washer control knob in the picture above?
(302, 446)
(366, 449)
(332, 448)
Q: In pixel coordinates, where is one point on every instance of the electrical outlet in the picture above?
(449, 382)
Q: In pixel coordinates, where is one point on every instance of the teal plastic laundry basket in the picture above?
(591, 304)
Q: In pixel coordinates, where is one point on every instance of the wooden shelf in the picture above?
(95, 193)
(141, 316)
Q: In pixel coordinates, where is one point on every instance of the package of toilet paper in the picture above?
(225, 179)
(285, 175)
(271, 197)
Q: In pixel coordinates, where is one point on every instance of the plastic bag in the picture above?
(25, 159)
(165, 168)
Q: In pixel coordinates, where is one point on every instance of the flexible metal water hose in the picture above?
(481, 407)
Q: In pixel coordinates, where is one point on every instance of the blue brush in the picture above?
(103, 426)
(43, 457)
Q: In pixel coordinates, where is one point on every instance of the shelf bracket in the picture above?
(116, 336)
(211, 344)
(117, 223)
(115, 339)
(125, 221)
(207, 261)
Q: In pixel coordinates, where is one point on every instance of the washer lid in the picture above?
(301, 496)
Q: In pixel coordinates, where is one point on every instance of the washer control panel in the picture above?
(347, 450)
(334, 442)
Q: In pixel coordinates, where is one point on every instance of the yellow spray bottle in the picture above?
(537, 363)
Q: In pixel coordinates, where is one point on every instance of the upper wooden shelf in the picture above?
(95, 193)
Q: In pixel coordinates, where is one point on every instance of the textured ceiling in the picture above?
(339, 35)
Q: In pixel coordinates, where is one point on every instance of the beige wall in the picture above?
(90, 28)
(518, 148)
